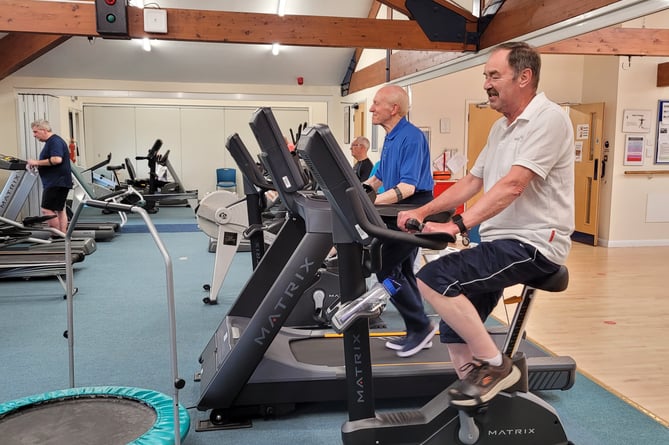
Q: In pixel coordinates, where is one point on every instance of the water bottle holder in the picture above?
(368, 305)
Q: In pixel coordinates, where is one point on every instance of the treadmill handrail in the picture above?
(436, 240)
(99, 164)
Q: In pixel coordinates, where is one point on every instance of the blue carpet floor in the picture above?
(121, 338)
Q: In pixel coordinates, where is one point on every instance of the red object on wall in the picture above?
(440, 186)
(73, 150)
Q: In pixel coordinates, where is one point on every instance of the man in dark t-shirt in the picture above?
(363, 166)
(55, 172)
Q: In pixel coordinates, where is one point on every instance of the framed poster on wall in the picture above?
(662, 142)
(634, 146)
(636, 121)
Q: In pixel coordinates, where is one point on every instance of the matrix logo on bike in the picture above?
(358, 369)
(507, 432)
(292, 290)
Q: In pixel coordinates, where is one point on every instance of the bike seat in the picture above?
(555, 282)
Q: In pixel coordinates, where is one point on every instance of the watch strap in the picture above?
(457, 220)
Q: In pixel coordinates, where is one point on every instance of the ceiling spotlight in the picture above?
(146, 44)
(275, 48)
(281, 8)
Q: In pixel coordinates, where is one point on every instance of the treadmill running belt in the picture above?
(329, 351)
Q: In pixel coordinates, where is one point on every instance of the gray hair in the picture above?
(42, 124)
(362, 140)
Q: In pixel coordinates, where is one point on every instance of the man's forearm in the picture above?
(396, 194)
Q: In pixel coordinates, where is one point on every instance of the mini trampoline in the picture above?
(102, 414)
(93, 415)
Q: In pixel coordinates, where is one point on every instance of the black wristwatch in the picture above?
(457, 220)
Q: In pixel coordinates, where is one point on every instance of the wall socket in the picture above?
(444, 125)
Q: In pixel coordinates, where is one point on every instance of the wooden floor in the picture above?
(613, 320)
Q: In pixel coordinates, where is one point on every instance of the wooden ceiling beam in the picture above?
(402, 64)
(19, 49)
(78, 19)
(615, 41)
(519, 17)
(513, 19)
(373, 12)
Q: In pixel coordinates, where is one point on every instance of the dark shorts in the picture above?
(54, 198)
(482, 273)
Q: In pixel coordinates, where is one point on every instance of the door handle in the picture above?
(603, 168)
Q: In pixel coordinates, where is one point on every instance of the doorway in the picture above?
(359, 126)
(480, 118)
(588, 123)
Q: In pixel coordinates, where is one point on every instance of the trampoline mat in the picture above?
(82, 420)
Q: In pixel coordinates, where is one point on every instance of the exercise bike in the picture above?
(513, 417)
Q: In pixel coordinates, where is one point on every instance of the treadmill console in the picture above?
(12, 163)
(334, 175)
(246, 163)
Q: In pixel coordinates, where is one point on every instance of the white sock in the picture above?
(495, 361)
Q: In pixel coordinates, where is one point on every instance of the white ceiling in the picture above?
(206, 62)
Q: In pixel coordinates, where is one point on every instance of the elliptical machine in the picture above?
(513, 417)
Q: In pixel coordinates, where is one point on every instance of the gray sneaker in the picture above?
(483, 382)
(397, 343)
(417, 341)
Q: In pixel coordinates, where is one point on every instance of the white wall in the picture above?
(194, 136)
(320, 103)
(77, 92)
(637, 89)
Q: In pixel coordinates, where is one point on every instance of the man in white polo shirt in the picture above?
(526, 217)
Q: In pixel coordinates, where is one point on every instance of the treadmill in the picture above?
(253, 365)
(15, 193)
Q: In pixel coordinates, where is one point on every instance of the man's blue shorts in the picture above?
(482, 273)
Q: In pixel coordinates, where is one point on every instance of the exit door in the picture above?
(479, 122)
(359, 120)
(587, 120)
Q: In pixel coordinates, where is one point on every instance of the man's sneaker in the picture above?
(397, 343)
(483, 382)
(417, 341)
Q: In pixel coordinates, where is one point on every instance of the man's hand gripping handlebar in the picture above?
(368, 305)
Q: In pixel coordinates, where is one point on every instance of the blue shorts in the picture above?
(482, 273)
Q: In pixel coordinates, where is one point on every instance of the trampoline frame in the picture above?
(162, 431)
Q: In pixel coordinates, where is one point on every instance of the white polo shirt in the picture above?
(542, 140)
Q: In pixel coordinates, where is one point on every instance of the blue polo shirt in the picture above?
(405, 158)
